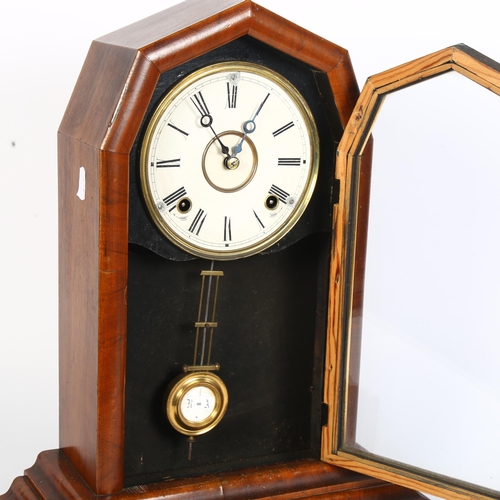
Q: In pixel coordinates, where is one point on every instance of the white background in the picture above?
(43, 46)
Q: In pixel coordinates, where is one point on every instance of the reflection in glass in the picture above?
(429, 379)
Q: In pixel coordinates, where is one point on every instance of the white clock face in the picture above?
(197, 404)
(229, 161)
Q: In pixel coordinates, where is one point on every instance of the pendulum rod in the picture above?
(206, 320)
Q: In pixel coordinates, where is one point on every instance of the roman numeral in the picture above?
(197, 223)
(227, 229)
(284, 128)
(280, 193)
(200, 104)
(168, 163)
(173, 197)
(258, 220)
(178, 129)
(232, 93)
(288, 162)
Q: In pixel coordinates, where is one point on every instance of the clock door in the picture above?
(416, 317)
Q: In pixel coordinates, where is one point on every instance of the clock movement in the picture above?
(199, 271)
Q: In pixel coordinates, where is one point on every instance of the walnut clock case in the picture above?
(197, 192)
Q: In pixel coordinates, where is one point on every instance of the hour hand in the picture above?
(224, 148)
(248, 127)
(206, 119)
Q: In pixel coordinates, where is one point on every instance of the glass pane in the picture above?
(428, 392)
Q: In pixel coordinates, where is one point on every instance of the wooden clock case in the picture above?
(97, 143)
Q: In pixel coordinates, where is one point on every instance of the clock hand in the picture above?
(225, 149)
(249, 128)
(207, 120)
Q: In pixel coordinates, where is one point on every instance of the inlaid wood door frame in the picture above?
(348, 269)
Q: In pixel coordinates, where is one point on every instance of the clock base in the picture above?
(53, 477)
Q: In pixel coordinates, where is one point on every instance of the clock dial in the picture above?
(229, 161)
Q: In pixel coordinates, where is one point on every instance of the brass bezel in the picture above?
(271, 238)
(180, 386)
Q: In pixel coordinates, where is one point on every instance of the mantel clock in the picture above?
(197, 192)
(199, 275)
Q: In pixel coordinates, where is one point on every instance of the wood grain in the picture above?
(53, 477)
(78, 299)
(20, 490)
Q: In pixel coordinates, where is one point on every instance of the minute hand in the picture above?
(248, 128)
